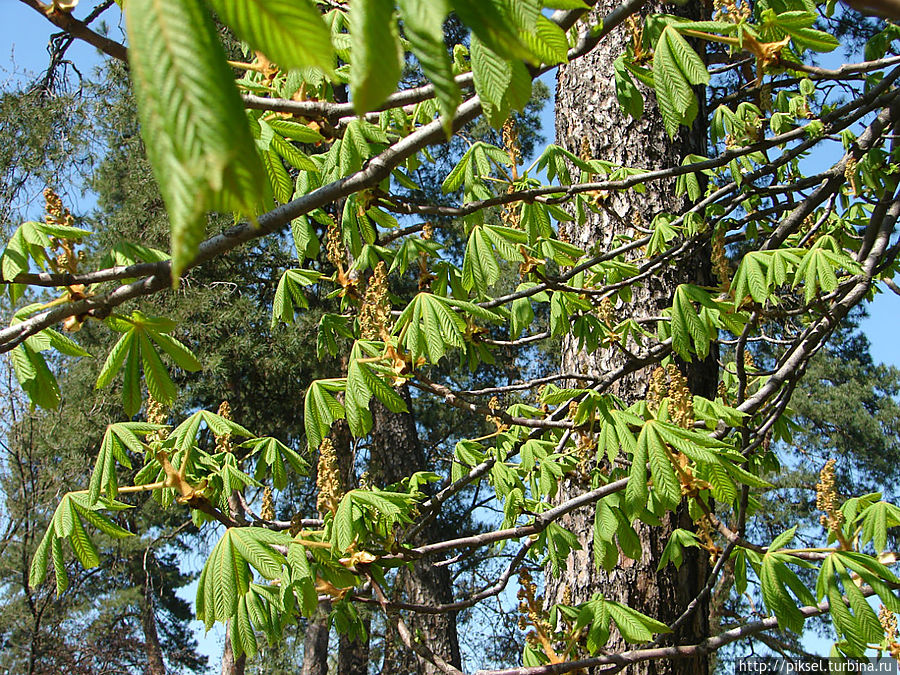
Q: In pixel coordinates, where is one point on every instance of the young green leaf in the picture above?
(423, 24)
(203, 155)
(290, 32)
(377, 57)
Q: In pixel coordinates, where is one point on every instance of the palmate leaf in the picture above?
(636, 491)
(674, 547)
(631, 101)
(428, 326)
(321, 409)
(634, 626)
(159, 383)
(128, 253)
(203, 155)
(492, 77)
(491, 23)
(243, 637)
(292, 155)
(30, 367)
(302, 578)
(229, 478)
(874, 522)
(665, 483)
(289, 293)
(282, 185)
(73, 511)
(596, 614)
(502, 85)
(137, 349)
(35, 377)
(363, 382)
(480, 267)
(688, 327)
(750, 279)
(776, 578)
(185, 434)
(377, 57)
(295, 131)
(30, 241)
(816, 270)
(117, 440)
(676, 67)
(272, 455)
(546, 41)
(360, 510)
(227, 574)
(874, 573)
(475, 163)
(857, 624)
(290, 32)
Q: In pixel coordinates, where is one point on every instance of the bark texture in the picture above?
(397, 453)
(590, 121)
(315, 643)
(155, 663)
(230, 664)
(353, 656)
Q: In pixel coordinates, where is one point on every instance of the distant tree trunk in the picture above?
(353, 655)
(396, 453)
(590, 122)
(315, 643)
(231, 665)
(155, 663)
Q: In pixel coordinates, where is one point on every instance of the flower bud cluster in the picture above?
(223, 442)
(375, 313)
(606, 312)
(681, 397)
(827, 498)
(530, 608)
(267, 510)
(334, 245)
(670, 382)
(729, 10)
(328, 478)
(156, 414)
(58, 215)
(888, 621)
(719, 258)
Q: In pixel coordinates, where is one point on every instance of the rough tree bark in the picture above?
(231, 665)
(396, 453)
(589, 121)
(155, 663)
(315, 643)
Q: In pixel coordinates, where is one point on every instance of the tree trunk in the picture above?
(590, 122)
(155, 663)
(231, 665)
(353, 656)
(396, 453)
(315, 643)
